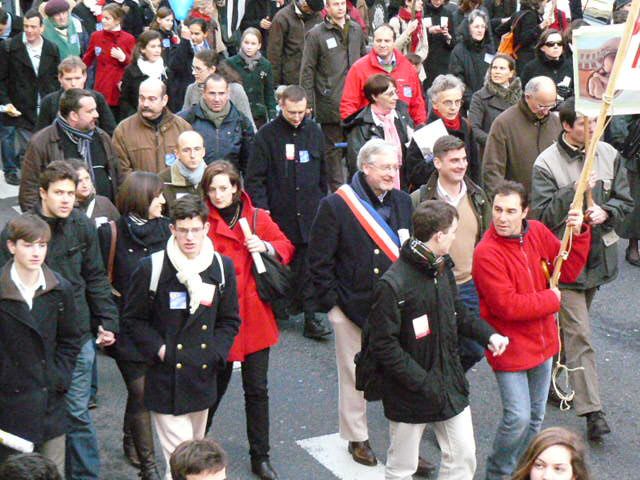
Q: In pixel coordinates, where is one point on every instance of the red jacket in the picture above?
(109, 71)
(258, 329)
(407, 81)
(514, 294)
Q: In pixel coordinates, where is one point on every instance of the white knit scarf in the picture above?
(189, 269)
(152, 69)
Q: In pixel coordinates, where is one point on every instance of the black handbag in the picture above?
(274, 284)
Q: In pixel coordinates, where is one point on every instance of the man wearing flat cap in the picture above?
(63, 30)
(286, 38)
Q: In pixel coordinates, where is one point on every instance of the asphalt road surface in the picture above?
(303, 399)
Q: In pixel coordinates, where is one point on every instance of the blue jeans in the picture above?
(8, 148)
(470, 351)
(82, 454)
(524, 398)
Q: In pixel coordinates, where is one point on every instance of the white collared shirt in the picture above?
(26, 291)
(454, 201)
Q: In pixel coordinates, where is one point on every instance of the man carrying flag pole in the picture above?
(355, 237)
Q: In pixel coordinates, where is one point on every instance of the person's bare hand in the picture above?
(162, 352)
(574, 220)
(12, 111)
(105, 338)
(118, 54)
(435, 29)
(596, 215)
(185, 32)
(413, 24)
(498, 344)
(265, 24)
(556, 290)
(255, 245)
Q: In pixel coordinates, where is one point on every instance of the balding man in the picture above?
(520, 134)
(183, 177)
(148, 139)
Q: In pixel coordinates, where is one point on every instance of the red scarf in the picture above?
(455, 124)
(416, 36)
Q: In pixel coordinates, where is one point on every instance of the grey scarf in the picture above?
(192, 176)
(215, 117)
(252, 62)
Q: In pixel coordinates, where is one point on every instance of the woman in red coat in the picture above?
(111, 48)
(227, 202)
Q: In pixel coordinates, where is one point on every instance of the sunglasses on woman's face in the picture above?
(553, 44)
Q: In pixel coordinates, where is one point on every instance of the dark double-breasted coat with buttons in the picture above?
(344, 262)
(38, 350)
(197, 345)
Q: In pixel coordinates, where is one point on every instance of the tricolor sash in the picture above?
(375, 226)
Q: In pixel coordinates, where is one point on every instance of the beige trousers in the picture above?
(172, 430)
(352, 407)
(456, 442)
(54, 450)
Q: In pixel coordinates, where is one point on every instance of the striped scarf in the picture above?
(83, 141)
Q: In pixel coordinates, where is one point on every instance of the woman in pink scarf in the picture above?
(385, 117)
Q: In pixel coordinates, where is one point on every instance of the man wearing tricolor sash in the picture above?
(355, 237)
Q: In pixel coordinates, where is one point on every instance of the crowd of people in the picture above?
(171, 171)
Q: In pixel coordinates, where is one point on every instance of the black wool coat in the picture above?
(290, 189)
(38, 350)
(423, 379)
(197, 346)
(19, 83)
(344, 262)
(557, 70)
(437, 61)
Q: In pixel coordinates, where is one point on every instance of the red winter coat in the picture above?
(514, 294)
(109, 71)
(258, 329)
(407, 82)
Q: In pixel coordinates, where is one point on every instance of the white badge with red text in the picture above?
(290, 151)
(421, 326)
(208, 292)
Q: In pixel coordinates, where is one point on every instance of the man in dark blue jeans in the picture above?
(450, 184)
(7, 147)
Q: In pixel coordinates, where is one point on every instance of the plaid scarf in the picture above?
(83, 141)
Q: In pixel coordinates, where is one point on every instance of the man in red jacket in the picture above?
(515, 299)
(383, 58)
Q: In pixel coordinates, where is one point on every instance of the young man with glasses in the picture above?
(182, 310)
(520, 134)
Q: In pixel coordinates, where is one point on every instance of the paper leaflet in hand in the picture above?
(16, 443)
(426, 136)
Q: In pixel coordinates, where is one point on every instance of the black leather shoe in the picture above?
(264, 470)
(12, 178)
(627, 254)
(425, 468)
(597, 426)
(130, 451)
(361, 453)
(315, 328)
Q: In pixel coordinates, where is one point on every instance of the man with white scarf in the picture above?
(182, 311)
(183, 177)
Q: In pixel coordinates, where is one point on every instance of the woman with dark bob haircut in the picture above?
(228, 203)
(554, 450)
(140, 231)
(385, 117)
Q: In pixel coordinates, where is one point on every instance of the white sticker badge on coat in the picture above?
(177, 300)
(428, 22)
(421, 326)
(290, 151)
(331, 43)
(208, 291)
(403, 235)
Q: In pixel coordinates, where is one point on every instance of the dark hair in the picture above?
(70, 100)
(445, 144)
(294, 93)
(197, 456)
(431, 217)
(28, 227)
(508, 58)
(33, 13)
(189, 206)
(4, 16)
(29, 466)
(77, 164)
(509, 187)
(137, 192)
(70, 64)
(197, 21)
(377, 84)
(467, 6)
(217, 168)
(546, 34)
(115, 10)
(211, 59)
(56, 171)
(143, 40)
(548, 438)
(163, 12)
(567, 111)
(215, 77)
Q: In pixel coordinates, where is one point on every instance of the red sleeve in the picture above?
(417, 108)
(498, 292)
(578, 256)
(90, 54)
(353, 94)
(269, 231)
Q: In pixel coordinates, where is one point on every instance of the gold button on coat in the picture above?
(178, 366)
(179, 346)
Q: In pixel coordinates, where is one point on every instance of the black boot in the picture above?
(143, 440)
(314, 327)
(128, 447)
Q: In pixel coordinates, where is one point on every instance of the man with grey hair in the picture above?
(148, 139)
(520, 134)
(355, 237)
(446, 94)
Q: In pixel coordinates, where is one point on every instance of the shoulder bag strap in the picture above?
(112, 249)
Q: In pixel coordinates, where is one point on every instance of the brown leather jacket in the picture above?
(142, 146)
(44, 148)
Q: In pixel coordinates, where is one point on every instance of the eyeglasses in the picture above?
(387, 168)
(186, 231)
(553, 44)
(547, 107)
